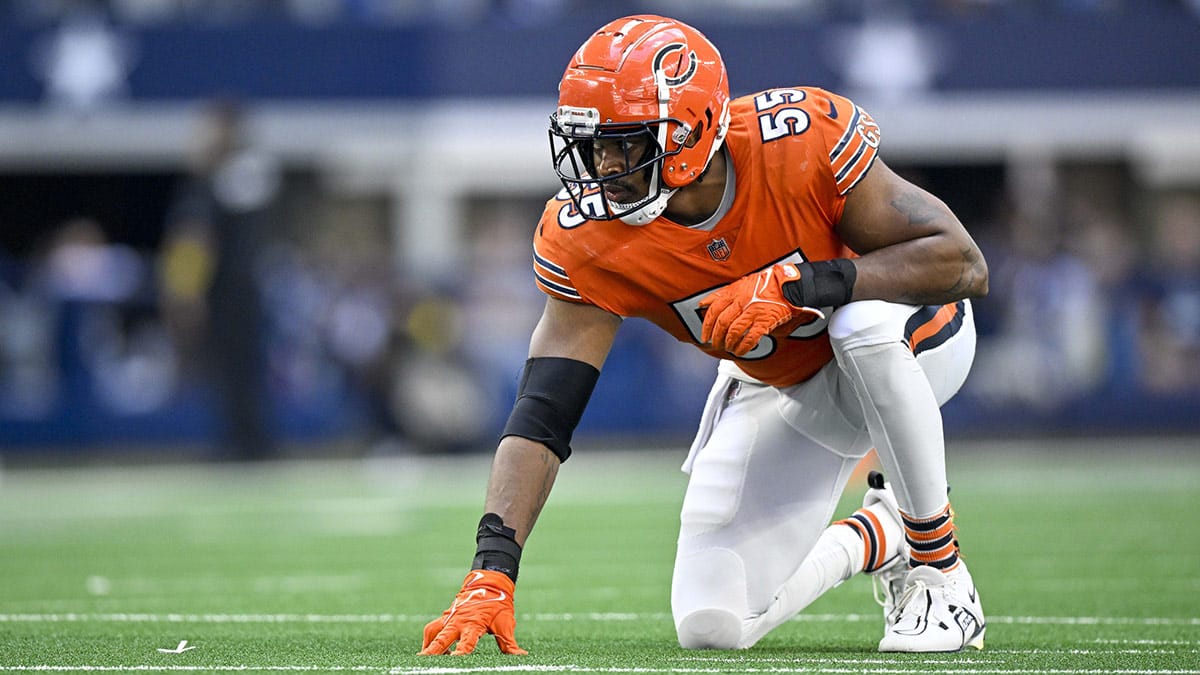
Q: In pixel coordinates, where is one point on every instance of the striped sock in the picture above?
(931, 540)
(868, 528)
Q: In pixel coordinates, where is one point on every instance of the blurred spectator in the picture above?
(501, 303)
(1049, 343)
(1169, 329)
(1101, 239)
(109, 351)
(81, 265)
(438, 398)
(209, 293)
(29, 383)
(358, 321)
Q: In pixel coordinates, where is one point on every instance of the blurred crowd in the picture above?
(1093, 296)
(268, 310)
(251, 322)
(544, 11)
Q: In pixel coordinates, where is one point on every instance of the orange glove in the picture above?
(742, 313)
(484, 605)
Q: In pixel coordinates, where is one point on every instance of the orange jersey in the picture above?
(795, 154)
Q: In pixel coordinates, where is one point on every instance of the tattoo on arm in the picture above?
(924, 211)
(918, 209)
(968, 278)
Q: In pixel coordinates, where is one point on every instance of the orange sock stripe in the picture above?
(858, 527)
(880, 539)
(932, 540)
(937, 554)
(933, 535)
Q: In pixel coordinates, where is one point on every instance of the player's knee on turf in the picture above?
(708, 597)
(709, 629)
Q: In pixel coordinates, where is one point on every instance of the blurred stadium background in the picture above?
(243, 229)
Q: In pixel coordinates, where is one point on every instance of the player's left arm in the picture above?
(913, 248)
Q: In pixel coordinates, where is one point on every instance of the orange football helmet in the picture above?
(647, 82)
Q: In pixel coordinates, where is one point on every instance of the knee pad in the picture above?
(866, 323)
(709, 629)
(708, 598)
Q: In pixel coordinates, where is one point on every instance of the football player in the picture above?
(767, 232)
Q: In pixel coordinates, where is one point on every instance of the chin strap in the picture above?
(653, 209)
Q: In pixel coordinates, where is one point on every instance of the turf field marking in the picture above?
(79, 617)
(193, 668)
(1126, 641)
(798, 668)
(571, 668)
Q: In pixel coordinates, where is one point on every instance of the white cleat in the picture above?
(888, 578)
(938, 612)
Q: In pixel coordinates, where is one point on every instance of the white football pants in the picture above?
(768, 465)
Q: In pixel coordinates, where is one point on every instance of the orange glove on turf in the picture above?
(740, 314)
(484, 605)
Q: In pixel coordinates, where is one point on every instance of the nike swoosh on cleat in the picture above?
(922, 621)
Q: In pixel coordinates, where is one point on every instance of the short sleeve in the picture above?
(852, 137)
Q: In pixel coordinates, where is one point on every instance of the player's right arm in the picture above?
(524, 469)
(567, 350)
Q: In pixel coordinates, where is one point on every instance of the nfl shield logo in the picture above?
(719, 250)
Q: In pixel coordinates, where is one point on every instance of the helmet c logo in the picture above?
(684, 72)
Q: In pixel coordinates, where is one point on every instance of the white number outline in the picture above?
(688, 311)
(785, 122)
(569, 217)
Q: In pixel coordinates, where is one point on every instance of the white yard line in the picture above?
(191, 668)
(798, 667)
(124, 617)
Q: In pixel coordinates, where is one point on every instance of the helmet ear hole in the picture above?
(694, 137)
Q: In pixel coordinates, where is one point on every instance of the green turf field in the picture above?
(1087, 557)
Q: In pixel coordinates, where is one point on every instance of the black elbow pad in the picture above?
(550, 402)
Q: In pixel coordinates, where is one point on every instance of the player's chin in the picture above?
(622, 195)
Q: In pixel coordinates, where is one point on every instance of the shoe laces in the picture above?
(905, 604)
(882, 590)
(884, 582)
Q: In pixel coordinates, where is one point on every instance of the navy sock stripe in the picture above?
(926, 525)
(931, 545)
(872, 541)
(945, 563)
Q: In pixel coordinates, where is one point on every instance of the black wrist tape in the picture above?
(550, 401)
(496, 547)
(825, 283)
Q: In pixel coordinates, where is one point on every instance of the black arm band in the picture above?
(825, 283)
(550, 401)
(496, 547)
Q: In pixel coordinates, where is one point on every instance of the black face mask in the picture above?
(574, 157)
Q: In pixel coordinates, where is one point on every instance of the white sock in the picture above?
(836, 557)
